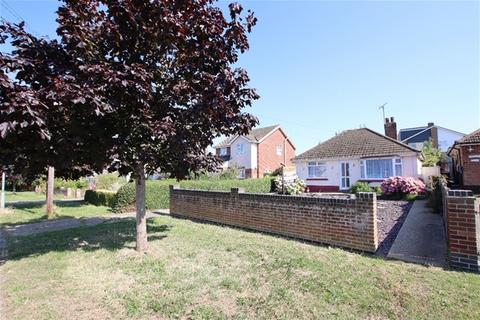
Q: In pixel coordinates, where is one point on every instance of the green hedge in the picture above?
(157, 191)
(100, 197)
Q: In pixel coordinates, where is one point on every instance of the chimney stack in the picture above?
(434, 134)
(391, 128)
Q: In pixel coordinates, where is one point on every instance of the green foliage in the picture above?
(157, 191)
(100, 197)
(229, 173)
(432, 155)
(434, 187)
(109, 181)
(360, 187)
(81, 183)
(294, 187)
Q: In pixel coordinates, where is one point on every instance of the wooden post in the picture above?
(50, 182)
(2, 197)
(142, 241)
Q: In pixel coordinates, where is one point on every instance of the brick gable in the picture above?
(268, 159)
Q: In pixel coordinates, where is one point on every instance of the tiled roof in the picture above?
(255, 135)
(473, 137)
(357, 143)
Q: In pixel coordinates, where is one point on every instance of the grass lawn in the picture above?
(201, 271)
(29, 212)
(23, 196)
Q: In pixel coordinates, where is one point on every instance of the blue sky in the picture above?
(323, 67)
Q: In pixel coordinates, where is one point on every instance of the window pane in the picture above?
(398, 170)
(320, 171)
(279, 150)
(311, 171)
(311, 163)
(379, 168)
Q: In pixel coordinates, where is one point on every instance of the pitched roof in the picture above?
(409, 133)
(255, 135)
(473, 137)
(357, 143)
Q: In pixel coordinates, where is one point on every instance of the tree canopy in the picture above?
(127, 82)
(130, 85)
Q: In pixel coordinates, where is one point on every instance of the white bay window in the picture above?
(380, 168)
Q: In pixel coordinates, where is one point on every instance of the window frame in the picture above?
(223, 151)
(396, 161)
(279, 150)
(240, 149)
(241, 173)
(315, 165)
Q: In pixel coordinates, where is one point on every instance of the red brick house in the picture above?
(466, 160)
(260, 152)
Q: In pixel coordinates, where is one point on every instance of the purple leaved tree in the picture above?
(135, 86)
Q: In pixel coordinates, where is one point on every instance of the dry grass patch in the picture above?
(202, 271)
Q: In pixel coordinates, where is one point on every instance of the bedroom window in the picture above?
(240, 149)
(279, 150)
(317, 169)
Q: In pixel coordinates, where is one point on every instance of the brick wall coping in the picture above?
(281, 197)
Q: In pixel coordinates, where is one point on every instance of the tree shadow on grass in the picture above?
(110, 236)
(32, 207)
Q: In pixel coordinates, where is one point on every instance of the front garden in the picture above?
(202, 271)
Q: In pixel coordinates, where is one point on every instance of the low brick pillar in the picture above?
(348, 221)
(462, 214)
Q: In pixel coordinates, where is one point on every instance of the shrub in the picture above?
(296, 186)
(100, 197)
(401, 186)
(157, 191)
(434, 187)
(432, 155)
(109, 181)
(360, 187)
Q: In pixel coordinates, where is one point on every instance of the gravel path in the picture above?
(390, 216)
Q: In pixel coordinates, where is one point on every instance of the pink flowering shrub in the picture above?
(403, 185)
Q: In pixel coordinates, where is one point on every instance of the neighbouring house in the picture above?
(466, 161)
(442, 138)
(356, 155)
(258, 153)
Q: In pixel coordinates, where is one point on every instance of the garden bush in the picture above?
(81, 183)
(360, 187)
(294, 187)
(434, 187)
(109, 181)
(403, 187)
(157, 191)
(100, 197)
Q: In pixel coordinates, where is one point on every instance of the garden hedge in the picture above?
(100, 197)
(157, 191)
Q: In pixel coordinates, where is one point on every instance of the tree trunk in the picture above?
(142, 242)
(50, 180)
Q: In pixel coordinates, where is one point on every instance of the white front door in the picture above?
(344, 175)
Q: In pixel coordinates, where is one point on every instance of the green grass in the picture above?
(27, 196)
(23, 196)
(202, 271)
(29, 212)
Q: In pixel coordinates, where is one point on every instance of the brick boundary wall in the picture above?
(349, 222)
(461, 212)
